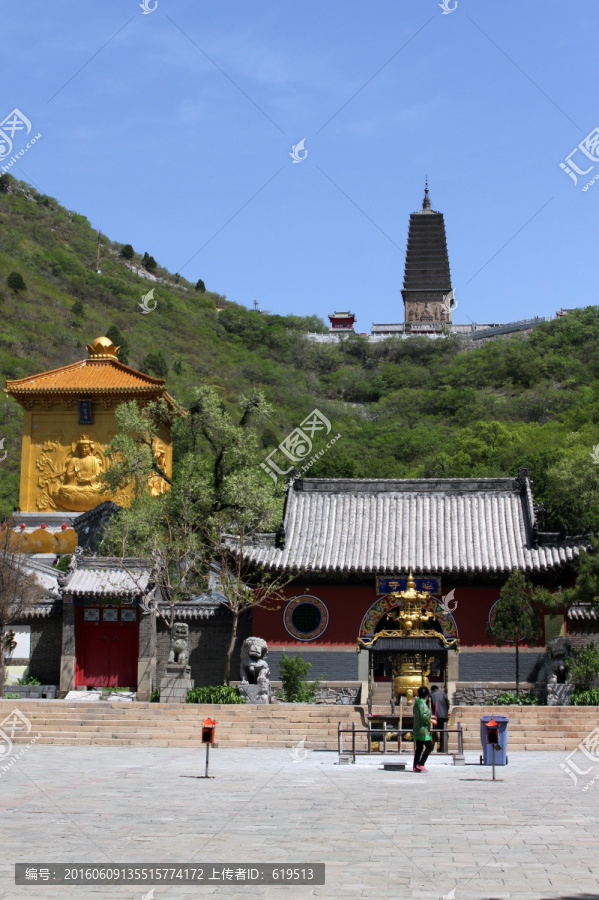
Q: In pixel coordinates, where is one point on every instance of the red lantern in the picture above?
(43, 525)
(22, 525)
(64, 526)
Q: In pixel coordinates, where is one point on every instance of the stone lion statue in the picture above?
(179, 651)
(556, 655)
(254, 668)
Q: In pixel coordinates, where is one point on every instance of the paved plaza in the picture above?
(453, 831)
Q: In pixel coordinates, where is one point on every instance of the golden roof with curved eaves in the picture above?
(100, 374)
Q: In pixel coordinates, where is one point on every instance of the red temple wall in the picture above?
(348, 604)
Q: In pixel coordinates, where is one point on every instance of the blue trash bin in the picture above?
(500, 732)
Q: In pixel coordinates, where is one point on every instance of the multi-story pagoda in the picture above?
(427, 292)
(68, 425)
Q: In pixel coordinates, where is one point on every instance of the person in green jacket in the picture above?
(422, 737)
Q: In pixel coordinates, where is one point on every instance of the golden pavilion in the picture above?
(68, 425)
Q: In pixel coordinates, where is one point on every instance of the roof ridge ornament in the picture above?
(102, 348)
(426, 203)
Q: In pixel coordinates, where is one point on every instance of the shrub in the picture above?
(12, 696)
(127, 251)
(77, 309)
(294, 670)
(220, 693)
(16, 282)
(148, 262)
(29, 679)
(583, 667)
(63, 563)
(509, 699)
(200, 286)
(4, 183)
(586, 698)
(155, 696)
(155, 364)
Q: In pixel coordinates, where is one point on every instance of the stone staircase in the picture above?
(280, 725)
(530, 727)
(173, 725)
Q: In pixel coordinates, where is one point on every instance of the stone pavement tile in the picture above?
(132, 805)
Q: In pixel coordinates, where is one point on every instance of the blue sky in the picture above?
(175, 136)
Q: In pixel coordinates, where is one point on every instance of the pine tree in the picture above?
(16, 282)
(515, 621)
(148, 262)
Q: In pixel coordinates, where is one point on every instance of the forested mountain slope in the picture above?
(409, 408)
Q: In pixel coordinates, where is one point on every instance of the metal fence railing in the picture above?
(372, 736)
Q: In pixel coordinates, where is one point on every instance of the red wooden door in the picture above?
(107, 647)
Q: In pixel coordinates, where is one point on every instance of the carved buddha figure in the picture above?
(81, 485)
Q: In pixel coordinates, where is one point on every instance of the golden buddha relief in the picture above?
(73, 480)
(156, 484)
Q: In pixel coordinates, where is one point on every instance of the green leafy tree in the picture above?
(4, 183)
(294, 673)
(515, 619)
(583, 667)
(585, 591)
(149, 263)
(218, 501)
(572, 486)
(78, 309)
(156, 364)
(127, 251)
(131, 455)
(200, 286)
(16, 282)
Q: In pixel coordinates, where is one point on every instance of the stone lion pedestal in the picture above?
(175, 683)
(255, 673)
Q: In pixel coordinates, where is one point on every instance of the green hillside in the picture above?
(403, 408)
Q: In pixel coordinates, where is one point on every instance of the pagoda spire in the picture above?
(427, 279)
(426, 203)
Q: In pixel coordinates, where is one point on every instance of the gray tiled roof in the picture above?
(583, 612)
(97, 577)
(432, 525)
